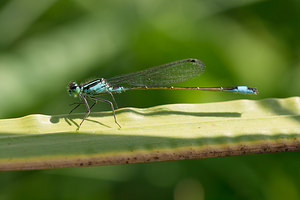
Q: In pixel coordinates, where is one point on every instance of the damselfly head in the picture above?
(74, 88)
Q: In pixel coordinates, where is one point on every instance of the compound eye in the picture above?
(73, 86)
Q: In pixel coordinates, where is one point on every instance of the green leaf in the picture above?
(167, 132)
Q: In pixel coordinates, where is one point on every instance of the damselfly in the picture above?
(153, 78)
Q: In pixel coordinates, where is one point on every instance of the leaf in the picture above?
(167, 132)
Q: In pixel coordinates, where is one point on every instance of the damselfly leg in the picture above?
(111, 104)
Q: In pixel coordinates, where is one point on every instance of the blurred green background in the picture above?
(45, 44)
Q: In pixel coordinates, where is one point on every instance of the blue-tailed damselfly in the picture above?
(152, 78)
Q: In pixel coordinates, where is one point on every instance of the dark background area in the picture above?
(46, 44)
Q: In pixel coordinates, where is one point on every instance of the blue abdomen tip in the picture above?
(242, 89)
(245, 90)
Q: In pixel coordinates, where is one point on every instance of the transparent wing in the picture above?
(167, 74)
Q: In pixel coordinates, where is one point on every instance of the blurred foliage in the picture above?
(46, 44)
